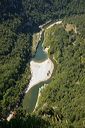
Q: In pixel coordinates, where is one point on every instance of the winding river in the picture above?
(31, 96)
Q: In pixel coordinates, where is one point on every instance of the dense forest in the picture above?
(64, 99)
(62, 102)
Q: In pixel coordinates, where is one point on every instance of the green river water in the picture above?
(30, 98)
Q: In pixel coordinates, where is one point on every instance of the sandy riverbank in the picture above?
(40, 72)
(56, 23)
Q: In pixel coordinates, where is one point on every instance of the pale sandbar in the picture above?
(40, 72)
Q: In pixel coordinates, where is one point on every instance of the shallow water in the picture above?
(30, 98)
(40, 55)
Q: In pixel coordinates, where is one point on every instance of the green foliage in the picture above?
(25, 121)
(66, 91)
(41, 10)
(79, 23)
(18, 20)
(15, 51)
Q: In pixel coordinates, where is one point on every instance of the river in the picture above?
(31, 96)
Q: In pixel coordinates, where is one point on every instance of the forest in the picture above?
(19, 19)
(62, 102)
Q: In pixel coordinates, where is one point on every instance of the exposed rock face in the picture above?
(70, 27)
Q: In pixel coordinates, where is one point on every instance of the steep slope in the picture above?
(19, 19)
(62, 102)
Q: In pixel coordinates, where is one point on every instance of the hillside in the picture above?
(62, 101)
(19, 20)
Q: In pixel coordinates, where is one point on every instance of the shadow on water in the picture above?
(30, 98)
(40, 54)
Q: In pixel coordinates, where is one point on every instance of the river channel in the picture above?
(31, 96)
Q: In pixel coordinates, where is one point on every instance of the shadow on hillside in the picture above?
(25, 122)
